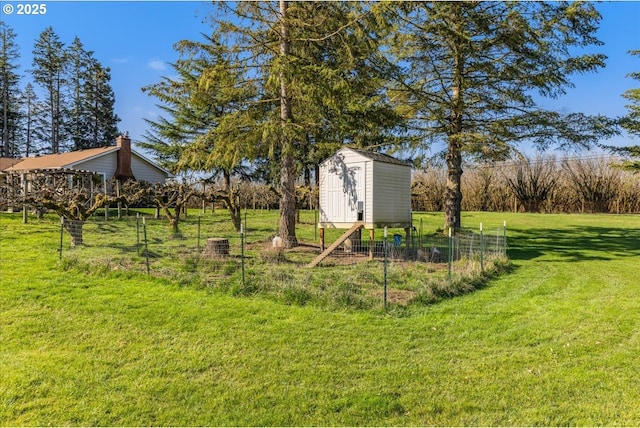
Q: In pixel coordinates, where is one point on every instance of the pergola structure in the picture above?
(20, 184)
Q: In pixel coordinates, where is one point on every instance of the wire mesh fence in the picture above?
(461, 245)
(205, 251)
(403, 266)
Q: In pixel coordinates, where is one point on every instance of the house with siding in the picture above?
(113, 162)
(6, 163)
(93, 169)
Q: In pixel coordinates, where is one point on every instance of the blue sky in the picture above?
(135, 39)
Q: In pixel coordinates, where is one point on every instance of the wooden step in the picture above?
(335, 245)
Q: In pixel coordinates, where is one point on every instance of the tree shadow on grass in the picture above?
(575, 244)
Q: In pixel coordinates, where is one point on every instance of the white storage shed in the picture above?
(363, 187)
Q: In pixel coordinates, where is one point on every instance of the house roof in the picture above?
(68, 160)
(378, 157)
(60, 160)
(8, 163)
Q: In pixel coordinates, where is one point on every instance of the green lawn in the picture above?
(553, 342)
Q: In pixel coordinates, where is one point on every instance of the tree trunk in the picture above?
(173, 223)
(217, 247)
(453, 192)
(287, 170)
(288, 204)
(232, 202)
(74, 227)
(236, 216)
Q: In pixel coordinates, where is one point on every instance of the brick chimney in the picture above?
(123, 168)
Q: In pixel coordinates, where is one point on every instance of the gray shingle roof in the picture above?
(380, 157)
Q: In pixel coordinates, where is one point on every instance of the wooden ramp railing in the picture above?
(333, 246)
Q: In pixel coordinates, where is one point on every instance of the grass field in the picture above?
(553, 342)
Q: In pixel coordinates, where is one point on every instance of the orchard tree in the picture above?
(68, 194)
(467, 74)
(171, 197)
(532, 181)
(594, 181)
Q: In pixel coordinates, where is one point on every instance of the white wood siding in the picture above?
(383, 188)
(323, 199)
(342, 187)
(391, 193)
(143, 171)
(369, 193)
(107, 164)
(103, 165)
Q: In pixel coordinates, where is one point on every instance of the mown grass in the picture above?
(554, 342)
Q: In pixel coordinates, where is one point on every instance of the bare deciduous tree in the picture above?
(532, 181)
(595, 181)
(427, 190)
(172, 198)
(71, 195)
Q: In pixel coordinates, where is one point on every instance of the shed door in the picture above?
(346, 192)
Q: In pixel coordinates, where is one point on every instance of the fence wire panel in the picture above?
(144, 240)
(466, 244)
(145, 243)
(209, 252)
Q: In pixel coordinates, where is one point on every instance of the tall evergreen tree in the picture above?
(32, 110)
(180, 124)
(631, 122)
(307, 60)
(49, 72)
(98, 105)
(9, 88)
(78, 60)
(280, 84)
(287, 135)
(350, 105)
(190, 135)
(468, 72)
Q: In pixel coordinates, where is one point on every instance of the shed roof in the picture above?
(378, 157)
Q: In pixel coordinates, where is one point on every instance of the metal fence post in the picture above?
(61, 235)
(504, 234)
(146, 247)
(315, 225)
(481, 250)
(450, 254)
(138, 233)
(385, 268)
(199, 232)
(242, 251)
